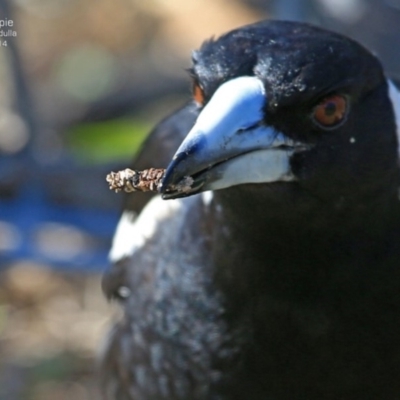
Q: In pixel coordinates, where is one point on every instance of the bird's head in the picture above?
(287, 102)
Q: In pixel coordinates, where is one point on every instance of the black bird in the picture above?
(284, 281)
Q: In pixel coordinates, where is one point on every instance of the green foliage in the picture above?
(101, 142)
(59, 367)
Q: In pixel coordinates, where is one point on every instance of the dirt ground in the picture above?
(52, 325)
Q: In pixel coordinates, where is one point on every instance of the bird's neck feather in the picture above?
(290, 245)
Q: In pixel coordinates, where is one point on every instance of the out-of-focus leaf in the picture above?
(106, 141)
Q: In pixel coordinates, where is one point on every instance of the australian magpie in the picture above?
(277, 275)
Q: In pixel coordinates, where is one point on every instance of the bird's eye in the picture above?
(331, 112)
(198, 93)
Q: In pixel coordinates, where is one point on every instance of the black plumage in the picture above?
(286, 284)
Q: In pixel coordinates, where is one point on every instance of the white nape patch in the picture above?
(394, 96)
(352, 140)
(132, 233)
(123, 236)
(207, 197)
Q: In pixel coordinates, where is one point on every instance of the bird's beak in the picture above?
(229, 145)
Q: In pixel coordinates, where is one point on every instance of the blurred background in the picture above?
(82, 83)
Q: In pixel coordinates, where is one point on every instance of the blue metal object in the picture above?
(30, 213)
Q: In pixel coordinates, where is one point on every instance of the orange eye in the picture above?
(198, 94)
(331, 112)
